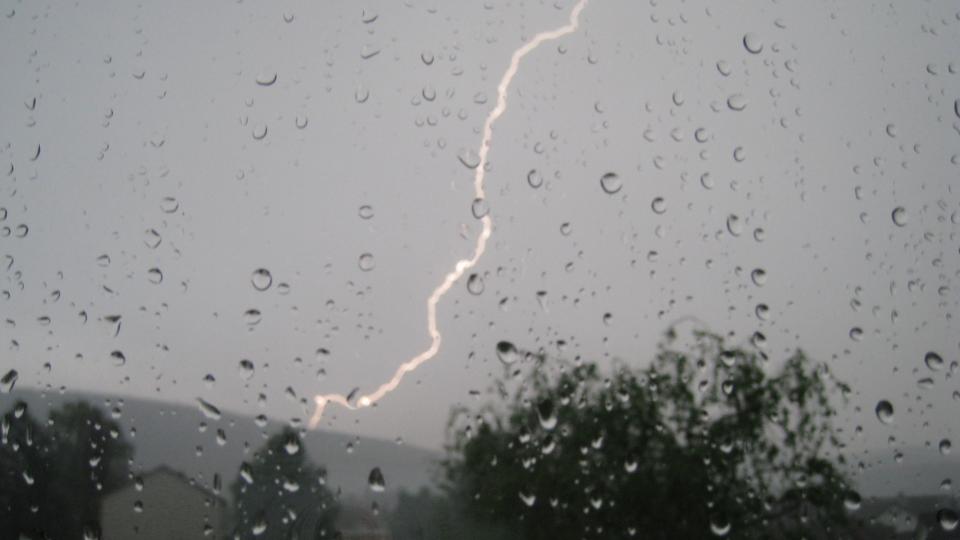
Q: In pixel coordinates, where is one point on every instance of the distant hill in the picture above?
(167, 434)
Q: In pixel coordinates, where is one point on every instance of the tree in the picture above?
(24, 474)
(702, 442)
(54, 476)
(280, 494)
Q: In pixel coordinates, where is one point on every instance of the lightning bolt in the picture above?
(464, 264)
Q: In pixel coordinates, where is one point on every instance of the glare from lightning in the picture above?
(464, 264)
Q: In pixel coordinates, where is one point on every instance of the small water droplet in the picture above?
(945, 446)
(534, 178)
(368, 15)
(361, 94)
(169, 205)
(251, 316)
(259, 131)
(759, 277)
(301, 121)
(479, 208)
(365, 212)
(724, 68)
(856, 333)
(246, 369)
(151, 238)
(366, 262)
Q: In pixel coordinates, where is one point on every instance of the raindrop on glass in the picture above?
(611, 183)
(266, 78)
(475, 284)
(245, 367)
(899, 216)
(534, 178)
(933, 361)
(366, 262)
(376, 481)
(261, 279)
(479, 208)
(884, 412)
(507, 352)
(752, 43)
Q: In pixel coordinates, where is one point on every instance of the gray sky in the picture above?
(849, 113)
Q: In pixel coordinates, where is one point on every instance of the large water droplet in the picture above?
(8, 381)
(152, 238)
(252, 316)
(737, 102)
(208, 409)
(475, 284)
(611, 183)
(734, 225)
(658, 205)
(885, 412)
(261, 279)
(719, 526)
(899, 216)
(479, 208)
(266, 78)
(933, 361)
(752, 43)
(852, 501)
(945, 446)
(169, 205)
(547, 414)
(534, 178)
(376, 481)
(947, 519)
(469, 158)
(507, 352)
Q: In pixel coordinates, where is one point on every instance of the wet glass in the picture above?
(504, 270)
